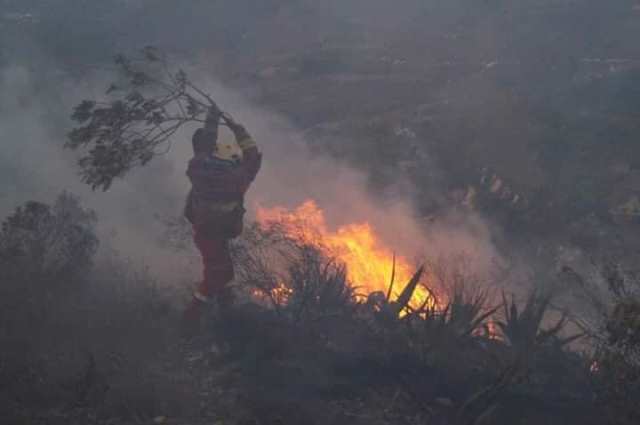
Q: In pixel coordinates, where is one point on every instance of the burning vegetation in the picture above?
(371, 266)
(322, 353)
(333, 326)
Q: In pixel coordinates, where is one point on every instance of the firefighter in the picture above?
(220, 175)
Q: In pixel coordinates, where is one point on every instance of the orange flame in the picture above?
(369, 262)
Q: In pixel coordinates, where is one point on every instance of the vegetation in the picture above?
(618, 357)
(305, 346)
(78, 334)
(55, 241)
(147, 105)
(540, 96)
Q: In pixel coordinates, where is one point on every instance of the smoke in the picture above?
(491, 85)
(293, 174)
(36, 99)
(33, 124)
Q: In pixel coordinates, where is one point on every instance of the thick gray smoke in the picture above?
(452, 74)
(35, 166)
(33, 124)
(381, 111)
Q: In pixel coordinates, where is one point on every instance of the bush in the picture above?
(440, 357)
(310, 350)
(618, 362)
(57, 242)
(80, 337)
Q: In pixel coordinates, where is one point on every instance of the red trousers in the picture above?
(216, 260)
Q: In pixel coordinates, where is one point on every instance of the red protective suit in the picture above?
(216, 262)
(215, 208)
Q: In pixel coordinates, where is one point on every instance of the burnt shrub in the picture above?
(81, 334)
(45, 253)
(618, 362)
(56, 242)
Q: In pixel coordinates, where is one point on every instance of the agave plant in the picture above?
(388, 310)
(466, 312)
(318, 287)
(522, 329)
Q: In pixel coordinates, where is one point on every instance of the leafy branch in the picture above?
(146, 105)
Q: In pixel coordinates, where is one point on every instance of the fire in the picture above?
(368, 260)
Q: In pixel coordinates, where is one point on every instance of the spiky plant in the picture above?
(388, 311)
(523, 332)
(318, 287)
(522, 329)
(466, 312)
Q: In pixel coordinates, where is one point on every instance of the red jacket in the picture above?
(215, 179)
(218, 186)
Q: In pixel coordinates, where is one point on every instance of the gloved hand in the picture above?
(229, 121)
(238, 129)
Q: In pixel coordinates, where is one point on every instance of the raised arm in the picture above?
(223, 177)
(252, 157)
